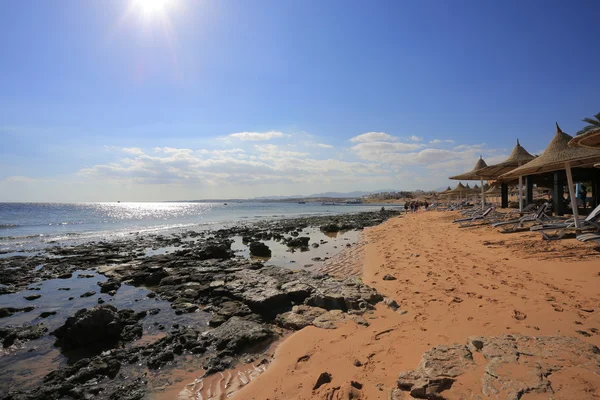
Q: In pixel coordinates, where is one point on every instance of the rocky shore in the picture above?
(247, 304)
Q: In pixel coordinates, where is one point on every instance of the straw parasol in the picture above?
(557, 156)
(493, 190)
(518, 157)
(460, 189)
(472, 176)
(589, 139)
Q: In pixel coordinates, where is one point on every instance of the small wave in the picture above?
(8, 226)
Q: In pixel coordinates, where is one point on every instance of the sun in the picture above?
(152, 8)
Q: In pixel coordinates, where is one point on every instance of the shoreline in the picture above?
(167, 290)
(450, 284)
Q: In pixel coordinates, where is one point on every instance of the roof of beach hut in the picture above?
(518, 156)
(590, 139)
(471, 176)
(494, 189)
(556, 155)
(460, 188)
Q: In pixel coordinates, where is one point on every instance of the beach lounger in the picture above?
(558, 230)
(468, 221)
(539, 217)
(587, 237)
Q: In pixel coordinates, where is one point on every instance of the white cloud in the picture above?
(20, 179)
(378, 151)
(372, 137)
(132, 150)
(324, 146)
(254, 136)
(440, 141)
(415, 138)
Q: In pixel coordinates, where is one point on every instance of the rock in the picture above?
(10, 335)
(32, 297)
(260, 249)
(301, 241)
(324, 378)
(96, 329)
(514, 365)
(66, 275)
(388, 277)
(110, 286)
(329, 319)
(215, 250)
(391, 303)
(46, 314)
(300, 317)
(88, 294)
(237, 334)
(437, 371)
(330, 228)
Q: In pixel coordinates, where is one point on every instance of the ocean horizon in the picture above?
(34, 226)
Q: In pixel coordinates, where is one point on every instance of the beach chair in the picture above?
(539, 217)
(468, 221)
(558, 230)
(587, 237)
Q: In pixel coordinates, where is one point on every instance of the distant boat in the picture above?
(327, 204)
(119, 201)
(224, 204)
(301, 202)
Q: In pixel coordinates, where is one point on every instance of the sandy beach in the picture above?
(451, 283)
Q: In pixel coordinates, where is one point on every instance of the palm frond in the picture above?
(592, 121)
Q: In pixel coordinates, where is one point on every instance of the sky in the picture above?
(149, 100)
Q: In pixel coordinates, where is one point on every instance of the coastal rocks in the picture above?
(300, 317)
(110, 286)
(97, 329)
(330, 228)
(301, 241)
(388, 277)
(260, 249)
(10, 335)
(437, 371)
(8, 311)
(212, 249)
(237, 334)
(32, 297)
(514, 365)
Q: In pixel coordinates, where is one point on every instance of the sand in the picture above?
(451, 283)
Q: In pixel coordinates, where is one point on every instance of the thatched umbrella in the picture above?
(557, 156)
(518, 157)
(459, 190)
(590, 140)
(472, 176)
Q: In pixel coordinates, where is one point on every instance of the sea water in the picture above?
(33, 226)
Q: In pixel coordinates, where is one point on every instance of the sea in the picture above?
(26, 227)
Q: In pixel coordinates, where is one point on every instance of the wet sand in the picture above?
(450, 283)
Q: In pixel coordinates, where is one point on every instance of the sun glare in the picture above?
(152, 8)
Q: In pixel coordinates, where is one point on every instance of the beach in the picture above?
(450, 284)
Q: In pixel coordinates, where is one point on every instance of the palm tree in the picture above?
(594, 124)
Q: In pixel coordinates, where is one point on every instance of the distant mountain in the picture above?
(294, 196)
(333, 195)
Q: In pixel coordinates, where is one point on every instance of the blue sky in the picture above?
(102, 100)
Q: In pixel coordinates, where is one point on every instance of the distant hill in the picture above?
(337, 195)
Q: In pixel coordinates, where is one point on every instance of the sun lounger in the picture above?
(539, 217)
(587, 237)
(558, 230)
(468, 221)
